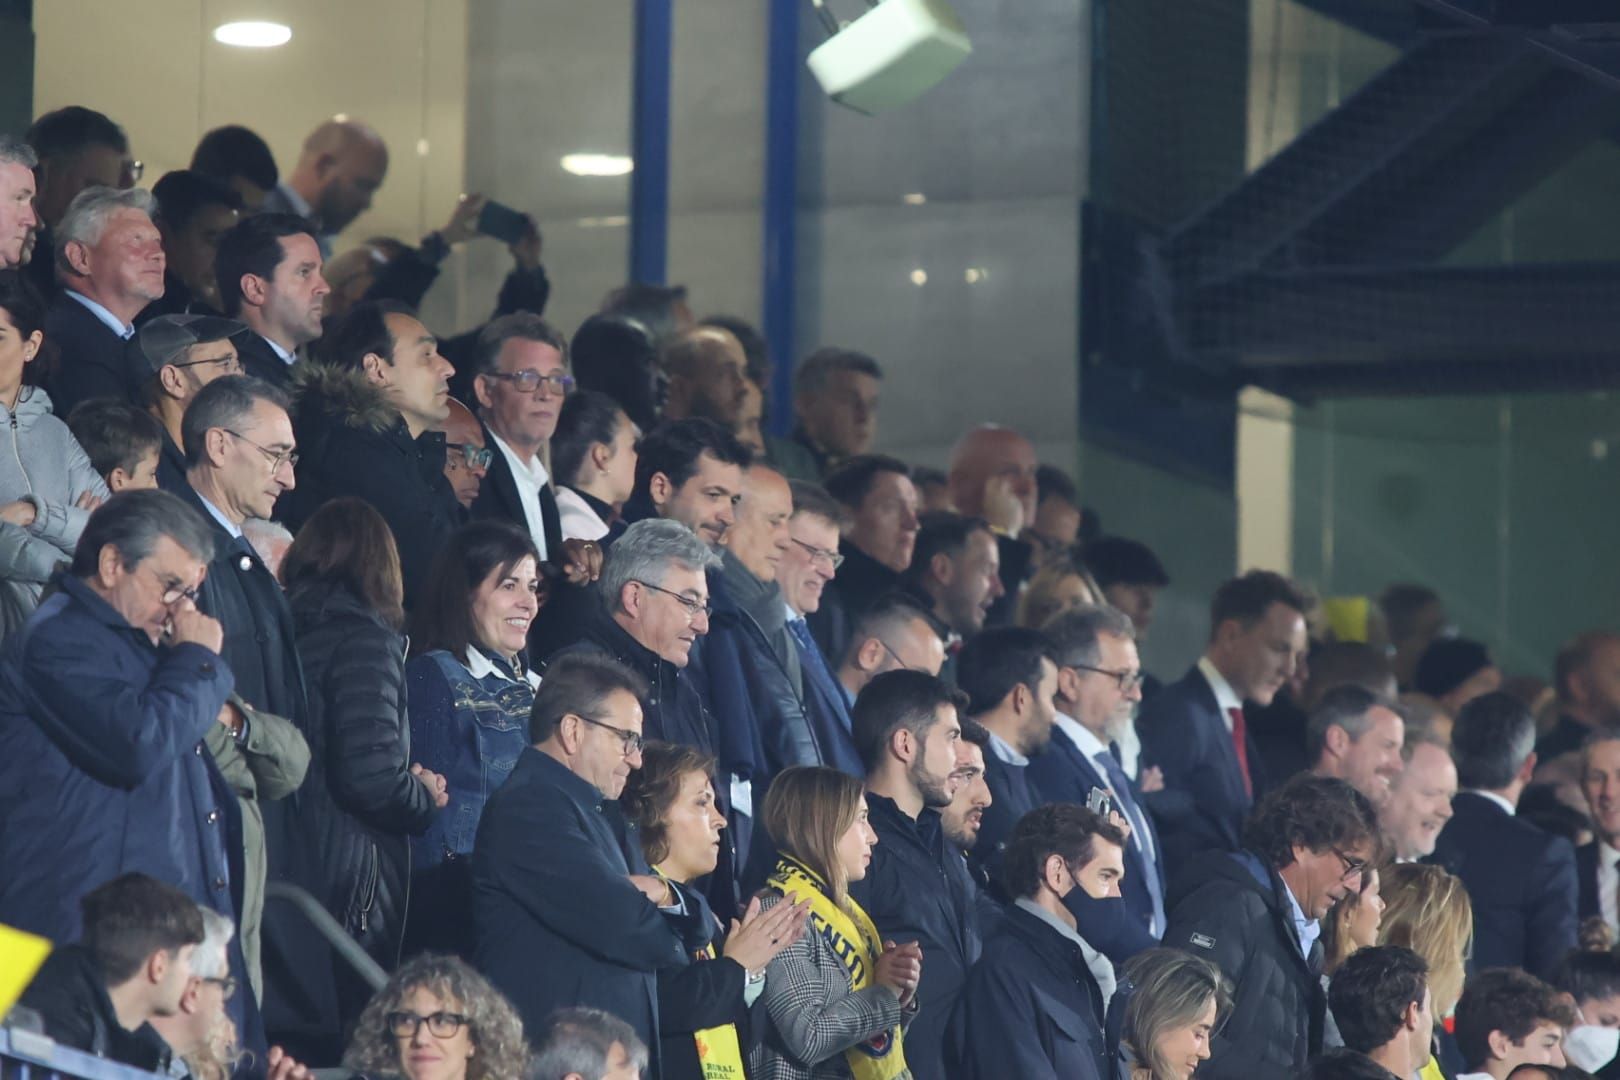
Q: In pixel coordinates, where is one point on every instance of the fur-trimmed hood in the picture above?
(323, 393)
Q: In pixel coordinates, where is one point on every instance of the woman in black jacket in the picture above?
(362, 796)
(703, 1007)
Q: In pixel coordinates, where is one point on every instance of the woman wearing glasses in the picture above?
(470, 695)
(704, 1007)
(438, 1019)
(47, 485)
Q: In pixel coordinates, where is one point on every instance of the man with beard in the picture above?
(907, 732)
(955, 571)
(1099, 684)
(1353, 735)
(707, 376)
(341, 166)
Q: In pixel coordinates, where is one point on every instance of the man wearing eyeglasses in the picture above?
(466, 458)
(1256, 914)
(181, 354)
(1099, 684)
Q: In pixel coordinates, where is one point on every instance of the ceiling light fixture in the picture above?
(597, 164)
(253, 35)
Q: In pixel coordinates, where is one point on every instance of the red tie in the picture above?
(1241, 746)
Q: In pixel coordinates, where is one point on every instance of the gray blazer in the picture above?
(814, 1015)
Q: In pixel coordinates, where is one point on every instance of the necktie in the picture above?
(1240, 744)
(1139, 835)
(815, 666)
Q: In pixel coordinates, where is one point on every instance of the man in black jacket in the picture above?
(1381, 1003)
(917, 888)
(110, 262)
(1255, 914)
(268, 268)
(194, 211)
(1520, 879)
(882, 504)
(178, 355)
(367, 422)
(559, 884)
(133, 964)
(1032, 1008)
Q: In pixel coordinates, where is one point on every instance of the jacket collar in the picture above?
(884, 809)
(579, 791)
(607, 632)
(98, 608)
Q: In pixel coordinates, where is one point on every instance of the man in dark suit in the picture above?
(110, 263)
(1098, 685)
(1195, 730)
(881, 504)
(194, 211)
(268, 269)
(521, 380)
(558, 885)
(1597, 864)
(340, 168)
(1521, 880)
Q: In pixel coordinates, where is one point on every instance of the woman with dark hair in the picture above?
(47, 485)
(362, 796)
(1350, 924)
(470, 695)
(836, 999)
(438, 1019)
(1177, 1002)
(703, 1007)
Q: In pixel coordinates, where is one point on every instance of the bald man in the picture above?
(340, 168)
(708, 376)
(992, 475)
(466, 459)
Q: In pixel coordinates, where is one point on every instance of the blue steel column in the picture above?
(649, 134)
(781, 204)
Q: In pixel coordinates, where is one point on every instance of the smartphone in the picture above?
(1099, 802)
(502, 222)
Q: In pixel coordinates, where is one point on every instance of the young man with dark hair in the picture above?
(194, 211)
(877, 544)
(893, 632)
(1195, 730)
(690, 471)
(1131, 578)
(955, 569)
(1255, 913)
(121, 441)
(76, 148)
(1032, 1007)
(1507, 1018)
(132, 964)
(1380, 1000)
(238, 158)
(917, 888)
(1521, 880)
(268, 269)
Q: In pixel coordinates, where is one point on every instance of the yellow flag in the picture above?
(20, 956)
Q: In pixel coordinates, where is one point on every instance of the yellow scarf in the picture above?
(719, 1050)
(849, 933)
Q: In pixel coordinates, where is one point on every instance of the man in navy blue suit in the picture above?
(1195, 730)
(1597, 863)
(1099, 683)
(1520, 879)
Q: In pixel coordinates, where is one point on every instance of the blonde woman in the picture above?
(1176, 1005)
(1061, 584)
(438, 1019)
(1427, 910)
(837, 999)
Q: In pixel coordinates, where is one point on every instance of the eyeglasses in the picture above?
(278, 458)
(476, 457)
(173, 590)
(529, 380)
(1128, 680)
(227, 985)
(442, 1025)
(832, 558)
(231, 364)
(694, 608)
(632, 740)
(1353, 867)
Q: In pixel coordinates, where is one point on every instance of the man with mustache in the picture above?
(109, 261)
(1195, 730)
(1255, 914)
(268, 269)
(917, 889)
(690, 471)
(955, 570)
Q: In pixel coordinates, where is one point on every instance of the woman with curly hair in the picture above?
(438, 1019)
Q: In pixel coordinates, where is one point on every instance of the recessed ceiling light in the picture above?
(919, 276)
(914, 198)
(253, 35)
(597, 164)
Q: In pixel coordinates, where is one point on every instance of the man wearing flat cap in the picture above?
(176, 356)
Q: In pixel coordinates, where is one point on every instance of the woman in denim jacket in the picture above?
(470, 695)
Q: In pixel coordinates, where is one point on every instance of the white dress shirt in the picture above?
(1225, 697)
(531, 476)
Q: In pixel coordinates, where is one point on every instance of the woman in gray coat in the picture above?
(47, 485)
(838, 998)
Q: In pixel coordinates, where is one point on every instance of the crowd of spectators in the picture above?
(616, 737)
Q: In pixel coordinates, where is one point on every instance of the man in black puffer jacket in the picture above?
(1255, 913)
(366, 421)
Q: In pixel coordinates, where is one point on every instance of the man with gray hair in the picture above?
(587, 1044)
(1520, 879)
(1099, 684)
(189, 1029)
(17, 216)
(1353, 735)
(109, 259)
